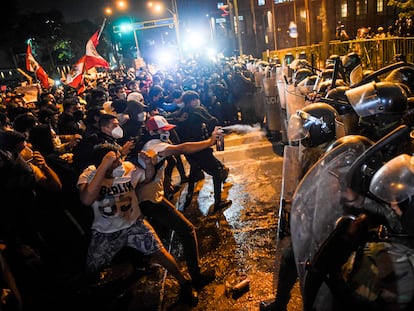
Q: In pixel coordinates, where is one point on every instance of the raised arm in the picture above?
(89, 191)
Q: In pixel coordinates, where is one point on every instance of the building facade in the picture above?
(273, 24)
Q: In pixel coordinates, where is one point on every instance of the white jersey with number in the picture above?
(117, 205)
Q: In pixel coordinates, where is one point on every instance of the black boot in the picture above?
(188, 295)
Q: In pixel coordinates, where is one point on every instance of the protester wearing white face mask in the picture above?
(136, 113)
(110, 132)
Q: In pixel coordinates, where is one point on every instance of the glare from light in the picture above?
(194, 40)
(211, 52)
(121, 5)
(166, 58)
(125, 27)
(57, 82)
(108, 11)
(156, 6)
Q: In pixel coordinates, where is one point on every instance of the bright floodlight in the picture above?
(166, 58)
(125, 27)
(194, 40)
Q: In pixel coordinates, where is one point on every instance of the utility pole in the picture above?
(325, 31)
(236, 12)
(231, 16)
(274, 25)
(254, 25)
(308, 26)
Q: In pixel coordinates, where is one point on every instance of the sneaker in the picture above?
(201, 279)
(188, 295)
(222, 204)
(272, 305)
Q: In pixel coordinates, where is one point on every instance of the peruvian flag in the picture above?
(93, 59)
(75, 76)
(33, 66)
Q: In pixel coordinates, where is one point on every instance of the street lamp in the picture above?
(174, 12)
(122, 5)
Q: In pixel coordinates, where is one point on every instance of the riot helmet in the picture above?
(350, 139)
(404, 75)
(330, 62)
(352, 67)
(338, 93)
(394, 181)
(324, 86)
(327, 74)
(315, 124)
(380, 107)
(300, 74)
(350, 61)
(378, 98)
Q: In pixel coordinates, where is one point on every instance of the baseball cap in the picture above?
(136, 96)
(158, 123)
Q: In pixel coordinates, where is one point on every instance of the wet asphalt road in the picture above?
(239, 242)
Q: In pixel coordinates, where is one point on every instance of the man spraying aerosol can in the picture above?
(220, 140)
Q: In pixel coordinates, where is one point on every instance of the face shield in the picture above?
(394, 181)
(364, 99)
(300, 123)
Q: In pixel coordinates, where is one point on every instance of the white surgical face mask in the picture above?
(117, 132)
(141, 117)
(180, 105)
(119, 171)
(165, 136)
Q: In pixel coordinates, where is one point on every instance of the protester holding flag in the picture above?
(33, 66)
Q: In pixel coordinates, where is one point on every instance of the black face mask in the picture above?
(78, 115)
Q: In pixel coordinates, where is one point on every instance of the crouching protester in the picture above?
(108, 186)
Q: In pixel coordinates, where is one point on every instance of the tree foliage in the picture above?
(405, 7)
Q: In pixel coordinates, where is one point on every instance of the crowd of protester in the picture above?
(48, 146)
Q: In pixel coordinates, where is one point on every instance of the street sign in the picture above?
(147, 24)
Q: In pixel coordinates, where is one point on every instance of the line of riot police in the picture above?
(348, 186)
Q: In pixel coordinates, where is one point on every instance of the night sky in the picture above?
(73, 10)
(77, 10)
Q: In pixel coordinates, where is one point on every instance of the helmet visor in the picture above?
(364, 99)
(301, 122)
(296, 130)
(394, 181)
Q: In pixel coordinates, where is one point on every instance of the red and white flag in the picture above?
(93, 59)
(75, 76)
(33, 66)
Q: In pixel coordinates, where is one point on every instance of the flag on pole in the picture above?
(33, 66)
(93, 59)
(75, 76)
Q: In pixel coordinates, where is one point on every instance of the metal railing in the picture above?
(375, 53)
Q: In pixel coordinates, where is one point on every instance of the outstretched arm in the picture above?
(192, 147)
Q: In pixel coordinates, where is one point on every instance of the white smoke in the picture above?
(241, 128)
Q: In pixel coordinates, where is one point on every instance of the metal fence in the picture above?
(375, 53)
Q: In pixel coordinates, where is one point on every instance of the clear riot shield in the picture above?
(316, 204)
(291, 172)
(295, 100)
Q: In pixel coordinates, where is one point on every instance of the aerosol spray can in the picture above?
(239, 289)
(220, 141)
